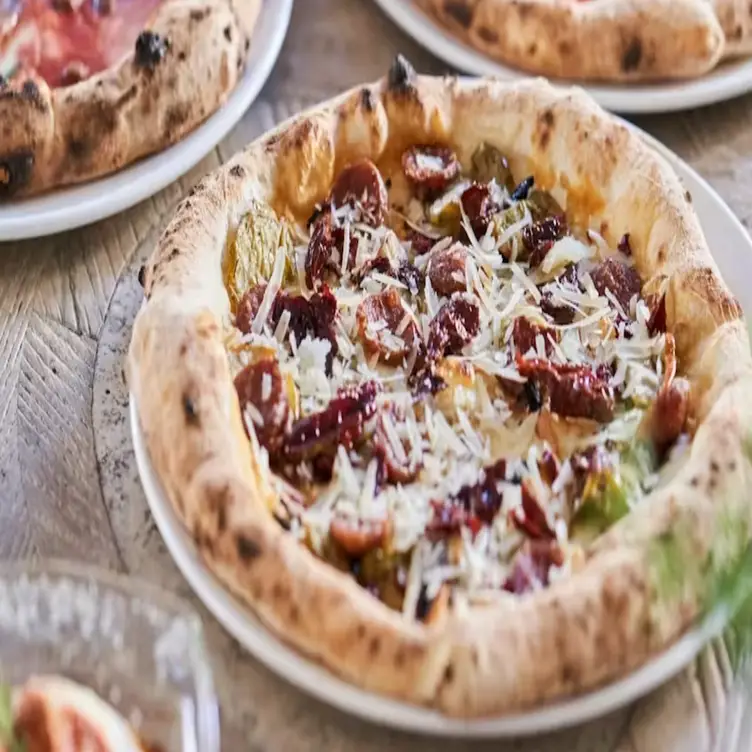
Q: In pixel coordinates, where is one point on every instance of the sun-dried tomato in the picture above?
(548, 467)
(574, 391)
(361, 185)
(248, 307)
(624, 245)
(621, 279)
(479, 206)
(261, 385)
(430, 168)
(358, 537)
(446, 270)
(525, 333)
(455, 325)
(392, 468)
(657, 321)
(540, 237)
(670, 412)
(342, 421)
(530, 517)
(419, 242)
(386, 327)
(531, 566)
(325, 239)
(473, 505)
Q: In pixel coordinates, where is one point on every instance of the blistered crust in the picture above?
(576, 633)
(55, 137)
(609, 40)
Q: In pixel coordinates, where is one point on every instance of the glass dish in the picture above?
(138, 647)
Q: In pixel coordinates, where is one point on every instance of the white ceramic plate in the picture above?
(729, 80)
(84, 204)
(733, 249)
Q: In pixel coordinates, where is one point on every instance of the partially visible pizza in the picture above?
(88, 86)
(428, 372)
(607, 40)
(54, 714)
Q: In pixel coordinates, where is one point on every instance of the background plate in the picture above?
(733, 252)
(89, 202)
(729, 80)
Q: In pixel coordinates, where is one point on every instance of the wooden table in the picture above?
(68, 483)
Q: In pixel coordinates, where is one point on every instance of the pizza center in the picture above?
(452, 387)
(66, 41)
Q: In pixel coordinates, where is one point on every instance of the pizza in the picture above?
(88, 86)
(427, 371)
(54, 714)
(609, 40)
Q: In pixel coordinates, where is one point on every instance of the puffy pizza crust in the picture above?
(735, 17)
(54, 137)
(610, 40)
(521, 650)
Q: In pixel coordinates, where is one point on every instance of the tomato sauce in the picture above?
(66, 41)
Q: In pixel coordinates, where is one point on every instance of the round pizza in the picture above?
(608, 40)
(429, 371)
(88, 86)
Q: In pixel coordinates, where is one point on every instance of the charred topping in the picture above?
(400, 75)
(151, 49)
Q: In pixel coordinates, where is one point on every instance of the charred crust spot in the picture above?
(30, 93)
(237, 171)
(731, 466)
(278, 592)
(15, 171)
(374, 646)
(632, 56)
(694, 481)
(488, 34)
(78, 148)
(360, 632)
(199, 15)
(227, 31)
(175, 118)
(399, 658)
(174, 253)
(247, 549)
(247, 45)
(662, 253)
(712, 483)
(569, 674)
(460, 11)
(151, 49)
(129, 94)
(401, 75)
(366, 99)
(545, 124)
(191, 413)
(714, 466)
(688, 197)
(294, 614)
(532, 49)
(449, 673)
(181, 56)
(142, 276)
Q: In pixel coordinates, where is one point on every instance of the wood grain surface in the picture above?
(68, 482)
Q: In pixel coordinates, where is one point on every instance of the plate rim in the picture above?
(633, 99)
(317, 681)
(114, 193)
